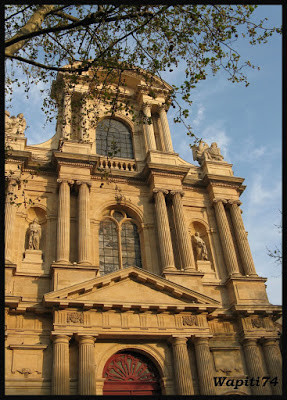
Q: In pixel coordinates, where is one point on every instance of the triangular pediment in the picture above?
(130, 288)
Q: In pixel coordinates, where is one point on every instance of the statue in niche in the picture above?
(204, 152)
(34, 236)
(15, 125)
(201, 249)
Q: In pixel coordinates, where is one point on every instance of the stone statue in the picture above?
(201, 249)
(213, 153)
(35, 234)
(203, 152)
(15, 125)
(21, 124)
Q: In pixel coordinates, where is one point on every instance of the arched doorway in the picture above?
(130, 373)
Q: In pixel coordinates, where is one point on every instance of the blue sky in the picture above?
(247, 125)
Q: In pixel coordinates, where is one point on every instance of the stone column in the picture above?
(241, 238)
(86, 365)
(61, 368)
(254, 367)
(184, 240)
(182, 366)
(165, 129)
(149, 128)
(204, 366)
(84, 125)
(165, 245)
(67, 116)
(273, 360)
(84, 223)
(10, 215)
(63, 224)
(226, 238)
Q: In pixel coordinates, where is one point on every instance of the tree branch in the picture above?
(67, 16)
(48, 67)
(90, 19)
(31, 26)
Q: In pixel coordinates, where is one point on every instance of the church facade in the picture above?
(127, 269)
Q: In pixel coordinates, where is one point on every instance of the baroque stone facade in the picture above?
(143, 283)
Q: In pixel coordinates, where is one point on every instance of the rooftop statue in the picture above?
(15, 125)
(203, 152)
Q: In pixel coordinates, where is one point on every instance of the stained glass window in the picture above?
(114, 139)
(109, 247)
(130, 245)
(119, 243)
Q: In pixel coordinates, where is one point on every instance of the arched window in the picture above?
(119, 242)
(113, 138)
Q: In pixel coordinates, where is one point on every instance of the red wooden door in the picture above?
(129, 373)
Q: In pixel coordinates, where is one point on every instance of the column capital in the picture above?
(249, 342)
(60, 338)
(84, 182)
(69, 181)
(158, 190)
(180, 192)
(146, 105)
(86, 339)
(199, 340)
(234, 202)
(178, 340)
(269, 341)
(224, 201)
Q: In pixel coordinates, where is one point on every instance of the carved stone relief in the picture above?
(257, 323)
(189, 320)
(75, 317)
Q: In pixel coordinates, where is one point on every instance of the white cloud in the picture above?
(256, 153)
(199, 115)
(247, 152)
(258, 194)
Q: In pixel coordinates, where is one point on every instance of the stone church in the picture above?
(127, 269)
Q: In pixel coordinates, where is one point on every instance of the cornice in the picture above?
(73, 158)
(178, 171)
(19, 155)
(223, 180)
